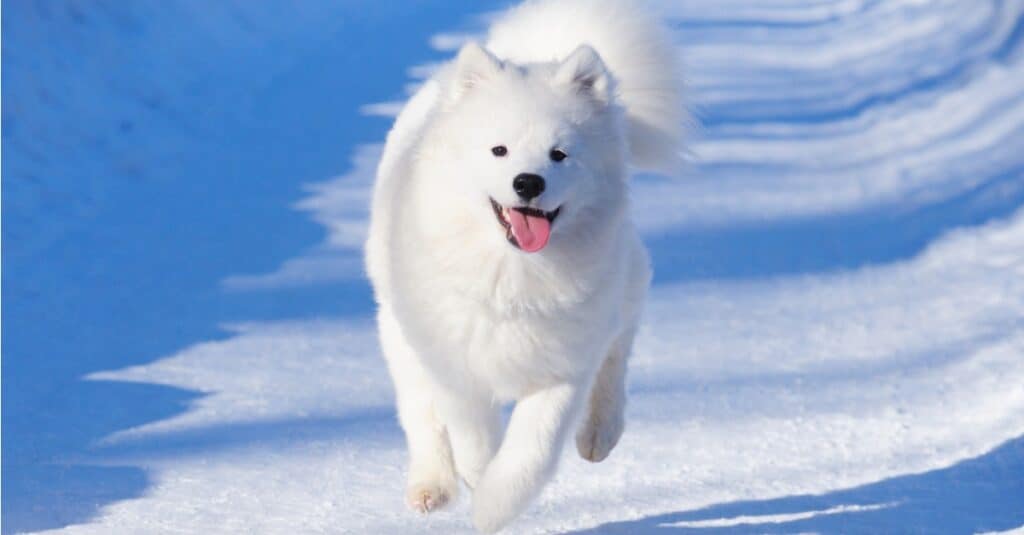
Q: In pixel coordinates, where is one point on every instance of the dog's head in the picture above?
(534, 149)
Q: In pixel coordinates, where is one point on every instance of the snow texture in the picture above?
(834, 341)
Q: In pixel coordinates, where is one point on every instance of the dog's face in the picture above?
(529, 149)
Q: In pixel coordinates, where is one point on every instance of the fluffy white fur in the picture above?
(467, 320)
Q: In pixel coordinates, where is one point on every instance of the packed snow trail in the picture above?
(834, 341)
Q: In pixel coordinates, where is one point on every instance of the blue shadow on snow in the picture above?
(828, 243)
(982, 494)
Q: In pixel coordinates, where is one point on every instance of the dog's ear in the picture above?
(473, 65)
(584, 72)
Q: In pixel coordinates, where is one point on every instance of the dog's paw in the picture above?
(426, 497)
(489, 513)
(486, 522)
(494, 502)
(598, 436)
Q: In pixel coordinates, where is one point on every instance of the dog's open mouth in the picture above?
(527, 228)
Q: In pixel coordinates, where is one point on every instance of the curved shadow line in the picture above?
(984, 493)
(829, 243)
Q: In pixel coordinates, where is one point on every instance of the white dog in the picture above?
(501, 250)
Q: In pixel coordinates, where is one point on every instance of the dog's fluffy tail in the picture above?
(635, 47)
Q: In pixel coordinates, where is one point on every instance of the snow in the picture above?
(775, 519)
(833, 341)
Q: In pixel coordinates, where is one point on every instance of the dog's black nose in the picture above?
(528, 185)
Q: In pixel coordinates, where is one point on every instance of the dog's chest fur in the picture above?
(490, 318)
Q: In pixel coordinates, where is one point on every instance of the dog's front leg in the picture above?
(474, 429)
(528, 455)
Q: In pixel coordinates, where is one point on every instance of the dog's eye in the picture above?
(557, 155)
(499, 151)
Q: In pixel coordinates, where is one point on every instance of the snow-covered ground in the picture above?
(834, 341)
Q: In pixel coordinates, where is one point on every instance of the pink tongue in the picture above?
(531, 231)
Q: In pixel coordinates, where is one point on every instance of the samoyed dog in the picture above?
(502, 255)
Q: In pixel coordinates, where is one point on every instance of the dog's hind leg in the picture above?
(432, 481)
(605, 417)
